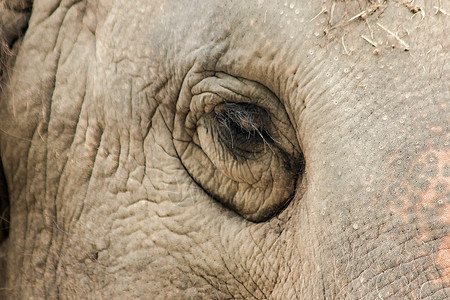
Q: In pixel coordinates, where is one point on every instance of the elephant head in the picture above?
(225, 149)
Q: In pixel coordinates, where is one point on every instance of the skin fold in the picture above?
(225, 149)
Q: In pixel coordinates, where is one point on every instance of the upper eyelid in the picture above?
(222, 91)
(225, 83)
(232, 89)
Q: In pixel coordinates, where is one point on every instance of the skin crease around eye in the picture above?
(241, 149)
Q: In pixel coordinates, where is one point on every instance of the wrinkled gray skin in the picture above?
(128, 177)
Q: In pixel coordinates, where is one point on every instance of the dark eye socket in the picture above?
(241, 126)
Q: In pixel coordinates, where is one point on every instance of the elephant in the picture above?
(167, 149)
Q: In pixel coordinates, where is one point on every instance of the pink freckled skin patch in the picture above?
(432, 196)
(443, 255)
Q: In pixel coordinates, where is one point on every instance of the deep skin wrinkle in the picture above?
(103, 207)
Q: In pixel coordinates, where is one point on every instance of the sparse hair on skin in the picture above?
(14, 17)
(5, 52)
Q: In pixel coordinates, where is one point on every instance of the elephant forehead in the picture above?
(293, 48)
(278, 28)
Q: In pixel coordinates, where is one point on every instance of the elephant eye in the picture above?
(241, 127)
(234, 138)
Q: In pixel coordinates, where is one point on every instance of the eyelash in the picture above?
(241, 125)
